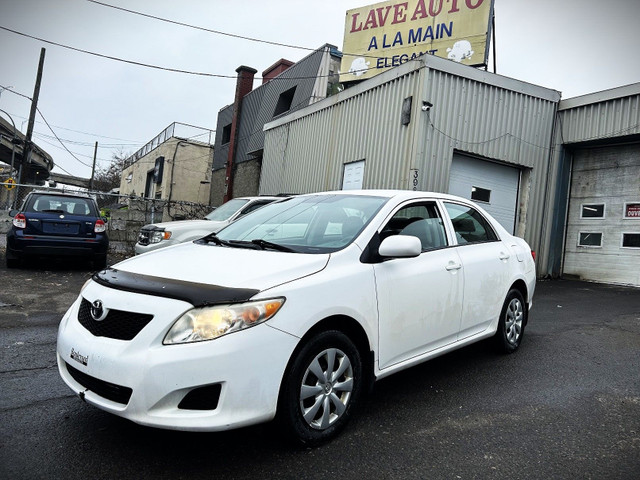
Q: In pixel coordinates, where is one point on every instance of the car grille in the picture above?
(118, 324)
(143, 237)
(110, 391)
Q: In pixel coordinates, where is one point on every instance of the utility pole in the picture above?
(32, 118)
(93, 169)
(493, 35)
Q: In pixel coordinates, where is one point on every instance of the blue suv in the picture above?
(57, 224)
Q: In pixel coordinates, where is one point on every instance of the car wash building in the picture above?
(563, 174)
(543, 167)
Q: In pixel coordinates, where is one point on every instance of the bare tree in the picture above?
(108, 178)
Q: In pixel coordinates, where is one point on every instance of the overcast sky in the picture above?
(573, 46)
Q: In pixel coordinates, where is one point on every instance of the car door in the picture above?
(419, 299)
(485, 267)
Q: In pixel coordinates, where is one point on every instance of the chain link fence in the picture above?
(125, 214)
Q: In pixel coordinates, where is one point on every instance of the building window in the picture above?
(284, 102)
(631, 240)
(632, 210)
(480, 194)
(593, 210)
(226, 134)
(590, 239)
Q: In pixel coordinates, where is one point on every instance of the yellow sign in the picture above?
(388, 34)
(9, 184)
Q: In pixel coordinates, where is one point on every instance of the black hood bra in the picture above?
(197, 294)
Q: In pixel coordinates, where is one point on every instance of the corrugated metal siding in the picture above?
(220, 151)
(614, 118)
(493, 123)
(259, 105)
(307, 154)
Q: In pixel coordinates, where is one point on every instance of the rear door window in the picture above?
(469, 225)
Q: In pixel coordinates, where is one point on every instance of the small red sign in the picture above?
(632, 210)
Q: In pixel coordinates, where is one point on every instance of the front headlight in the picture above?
(157, 236)
(207, 323)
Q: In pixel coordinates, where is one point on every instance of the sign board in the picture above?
(632, 210)
(388, 34)
(9, 184)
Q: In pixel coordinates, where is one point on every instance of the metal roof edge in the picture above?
(484, 76)
(601, 96)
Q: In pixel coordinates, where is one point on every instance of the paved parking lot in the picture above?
(566, 405)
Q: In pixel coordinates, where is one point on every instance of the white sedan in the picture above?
(293, 311)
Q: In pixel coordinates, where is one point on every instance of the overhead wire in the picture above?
(209, 30)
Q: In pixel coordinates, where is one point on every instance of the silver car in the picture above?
(160, 235)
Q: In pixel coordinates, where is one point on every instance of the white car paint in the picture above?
(409, 310)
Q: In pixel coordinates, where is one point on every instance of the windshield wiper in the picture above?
(213, 238)
(264, 244)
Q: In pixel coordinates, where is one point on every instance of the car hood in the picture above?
(190, 225)
(233, 268)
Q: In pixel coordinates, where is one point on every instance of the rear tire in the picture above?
(513, 319)
(12, 262)
(322, 386)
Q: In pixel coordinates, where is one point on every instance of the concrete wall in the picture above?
(123, 227)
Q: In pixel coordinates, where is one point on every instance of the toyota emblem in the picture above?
(98, 312)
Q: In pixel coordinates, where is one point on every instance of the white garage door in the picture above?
(493, 186)
(603, 222)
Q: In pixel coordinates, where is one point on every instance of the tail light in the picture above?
(533, 255)
(20, 221)
(100, 226)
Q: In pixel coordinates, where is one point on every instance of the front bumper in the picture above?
(151, 380)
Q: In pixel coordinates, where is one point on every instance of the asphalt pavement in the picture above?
(565, 406)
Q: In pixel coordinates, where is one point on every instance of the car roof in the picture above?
(399, 194)
(62, 194)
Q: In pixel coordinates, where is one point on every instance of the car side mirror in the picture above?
(400, 246)
(13, 213)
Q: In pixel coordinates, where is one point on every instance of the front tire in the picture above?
(321, 387)
(513, 319)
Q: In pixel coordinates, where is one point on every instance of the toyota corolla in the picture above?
(293, 311)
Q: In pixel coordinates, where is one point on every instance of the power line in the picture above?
(217, 32)
(169, 69)
(58, 138)
(133, 142)
(90, 144)
(132, 62)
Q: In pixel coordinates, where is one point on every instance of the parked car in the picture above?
(55, 224)
(160, 235)
(292, 311)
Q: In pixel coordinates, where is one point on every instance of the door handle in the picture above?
(453, 266)
(504, 256)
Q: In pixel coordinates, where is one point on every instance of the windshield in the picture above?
(226, 211)
(306, 224)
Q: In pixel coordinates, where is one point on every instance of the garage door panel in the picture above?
(609, 176)
(501, 180)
